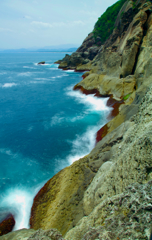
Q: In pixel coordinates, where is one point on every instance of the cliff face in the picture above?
(108, 193)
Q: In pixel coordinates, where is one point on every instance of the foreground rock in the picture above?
(107, 194)
(22, 234)
(123, 216)
(41, 63)
(30, 234)
(111, 205)
(123, 157)
(59, 203)
(7, 224)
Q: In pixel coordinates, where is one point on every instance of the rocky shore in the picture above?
(107, 195)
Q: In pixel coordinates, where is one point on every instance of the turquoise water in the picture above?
(44, 126)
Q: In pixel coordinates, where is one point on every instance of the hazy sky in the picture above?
(40, 23)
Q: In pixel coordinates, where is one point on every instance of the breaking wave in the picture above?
(8, 85)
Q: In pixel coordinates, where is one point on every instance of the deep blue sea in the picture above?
(44, 126)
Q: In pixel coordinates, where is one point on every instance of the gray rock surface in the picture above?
(51, 234)
(127, 159)
(22, 234)
(31, 234)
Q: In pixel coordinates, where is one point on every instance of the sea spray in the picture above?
(44, 127)
(19, 202)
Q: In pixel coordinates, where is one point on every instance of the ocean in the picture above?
(44, 126)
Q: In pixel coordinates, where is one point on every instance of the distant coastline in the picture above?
(61, 48)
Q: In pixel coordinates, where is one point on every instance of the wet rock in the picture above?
(41, 62)
(7, 224)
(108, 85)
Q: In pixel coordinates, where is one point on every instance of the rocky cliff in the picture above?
(108, 193)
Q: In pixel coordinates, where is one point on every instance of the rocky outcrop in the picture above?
(107, 85)
(86, 52)
(108, 193)
(72, 61)
(41, 63)
(59, 202)
(108, 207)
(7, 224)
(116, 69)
(111, 206)
(101, 195)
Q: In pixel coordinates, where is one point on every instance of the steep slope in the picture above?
(121, 69)
(108, 193)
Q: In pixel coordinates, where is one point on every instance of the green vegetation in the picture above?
(105, 24)
(127, 96)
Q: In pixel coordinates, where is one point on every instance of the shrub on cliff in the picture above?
(105, 24)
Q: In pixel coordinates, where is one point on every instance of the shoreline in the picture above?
(107, 194)
(47, 180)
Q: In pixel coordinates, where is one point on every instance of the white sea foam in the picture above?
(29, 67)
(54, 69)
(96, 103)
(36, 82)
(69, 71)
(45, 64)
(83, 144)
(56, 120)
(42, 79)
(20, 200)
(8, 85)
(26, 74)
(60, 118)
(57, 77)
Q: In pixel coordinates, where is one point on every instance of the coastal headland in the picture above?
(108, 193)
